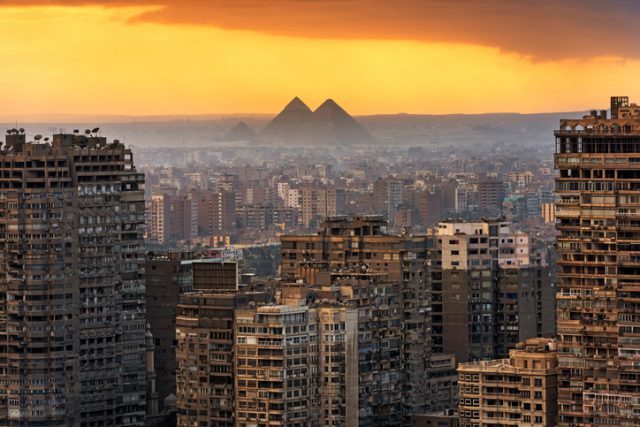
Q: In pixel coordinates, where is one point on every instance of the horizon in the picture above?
(127, 118)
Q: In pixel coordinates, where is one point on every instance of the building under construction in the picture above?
(71, 282)
(598, 219)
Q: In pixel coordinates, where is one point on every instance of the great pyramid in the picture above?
(240, 132)
(329, 124)
(284, 126)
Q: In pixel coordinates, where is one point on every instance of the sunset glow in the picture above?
(99, 60)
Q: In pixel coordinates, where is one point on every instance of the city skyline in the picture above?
(251, 57)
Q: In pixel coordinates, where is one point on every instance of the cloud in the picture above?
(542, 29)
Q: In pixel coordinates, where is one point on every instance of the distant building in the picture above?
(549, 213)
(387, 196)
(490, 194)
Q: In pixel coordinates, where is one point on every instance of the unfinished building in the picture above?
(72, 265)
(598, 219)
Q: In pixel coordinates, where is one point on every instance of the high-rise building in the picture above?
(216, 212)
(276, 366)
(598, 220)
(490, 289)
(387, 196)
(205, 344)
(71, 262)
(344, 246)
(167, 277)
(160, 218)
(515, 392)
(490, 194)
(319, 202)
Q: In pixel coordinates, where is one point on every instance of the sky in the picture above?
(191, 57)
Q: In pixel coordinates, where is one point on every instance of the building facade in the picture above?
(490, 289)
(72, 264)
(345, 248)
(598, 218)
(515, 392)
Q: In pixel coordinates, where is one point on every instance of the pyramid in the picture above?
(285, 124)
(331, 124)
(240, 132)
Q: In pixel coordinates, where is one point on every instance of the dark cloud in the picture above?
(543, 29)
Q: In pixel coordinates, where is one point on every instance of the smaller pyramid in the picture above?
(286, 124)
(240, 132)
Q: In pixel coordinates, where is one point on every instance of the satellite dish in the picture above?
(21, 130)
(76, 131)
(46, 139)
(116, 141)
(87, 131)
(9, 131)
(95, 130)
(37, 137)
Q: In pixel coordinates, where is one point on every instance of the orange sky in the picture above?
(229, 56)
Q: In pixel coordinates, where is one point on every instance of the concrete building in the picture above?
(316, 203)
(160, 218)
(276, 366)
(515, 392)
(598, 218)
(548, 213)
(216, 212)
(205, 344)
(490, 289)
(344, 248)
(490, 194)
(73, 321)
(387, 196)
(447, 418)
(167, 277)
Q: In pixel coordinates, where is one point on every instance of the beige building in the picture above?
(548, 213)
(491, 289)
(598, 219)
(515, 392)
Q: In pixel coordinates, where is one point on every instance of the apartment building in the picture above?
(73, 321)
(598, 218)
(490, 289)
(515, 392)
(346, 247)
